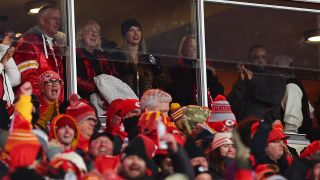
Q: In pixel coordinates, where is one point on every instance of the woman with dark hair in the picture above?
(222, 152)
(133, 64)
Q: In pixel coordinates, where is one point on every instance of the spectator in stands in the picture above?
(155, 100)
(197, 159)
(118, 112)
(51, 85)
(136, 161)
(64, 129)
(37, 51)
(139, 152)
(222, 151)
(135, 66)
(252, 93)
(268, 146)
(86, 118)
(101, 144)
(184, 84)
(297, 112)
(91, 60)
(10, 77)
(305, 168)
(101, 152)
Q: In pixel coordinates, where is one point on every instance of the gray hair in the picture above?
(151, 97)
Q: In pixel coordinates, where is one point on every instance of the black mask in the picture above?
(131, 122)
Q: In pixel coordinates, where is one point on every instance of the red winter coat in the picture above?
(33, 57)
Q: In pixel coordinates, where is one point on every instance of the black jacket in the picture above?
(140, 77)
(252, 97)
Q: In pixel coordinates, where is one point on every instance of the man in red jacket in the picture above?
(37, 50)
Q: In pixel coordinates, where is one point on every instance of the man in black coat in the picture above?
(257, 89)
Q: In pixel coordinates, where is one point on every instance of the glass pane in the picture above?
(271, 45)
(232, 30)
(160, 25)
(311, 4)
(39, 40)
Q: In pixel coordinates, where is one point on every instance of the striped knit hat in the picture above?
(220, 139)
(148, 122)
(80, 110)
(176, 111)
(20, 132)
(221, 118)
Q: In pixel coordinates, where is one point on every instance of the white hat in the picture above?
(113, 88)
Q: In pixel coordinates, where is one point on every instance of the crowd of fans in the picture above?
(153, 129)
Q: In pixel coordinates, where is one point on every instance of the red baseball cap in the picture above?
(276, 134)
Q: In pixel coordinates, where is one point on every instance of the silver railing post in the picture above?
(71, 69)
(202, 85)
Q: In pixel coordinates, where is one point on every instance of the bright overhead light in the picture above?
(33, 7)
(309, 1)
(312, 36)
(34, 10)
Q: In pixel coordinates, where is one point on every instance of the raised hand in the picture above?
(26, 88)
(7, 55)
(245, 74)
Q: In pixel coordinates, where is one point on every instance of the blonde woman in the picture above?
(91, 60)
(184, 88)
(188, 47)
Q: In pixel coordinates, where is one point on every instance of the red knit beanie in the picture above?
(62, 120)
(79, 109)
(221, 118)
(24, 155)
(128, 105)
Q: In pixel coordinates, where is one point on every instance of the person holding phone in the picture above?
(10, 75)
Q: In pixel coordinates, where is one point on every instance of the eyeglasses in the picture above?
(53, 82)
(93, 32)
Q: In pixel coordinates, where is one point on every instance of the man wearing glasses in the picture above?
(51, 87)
